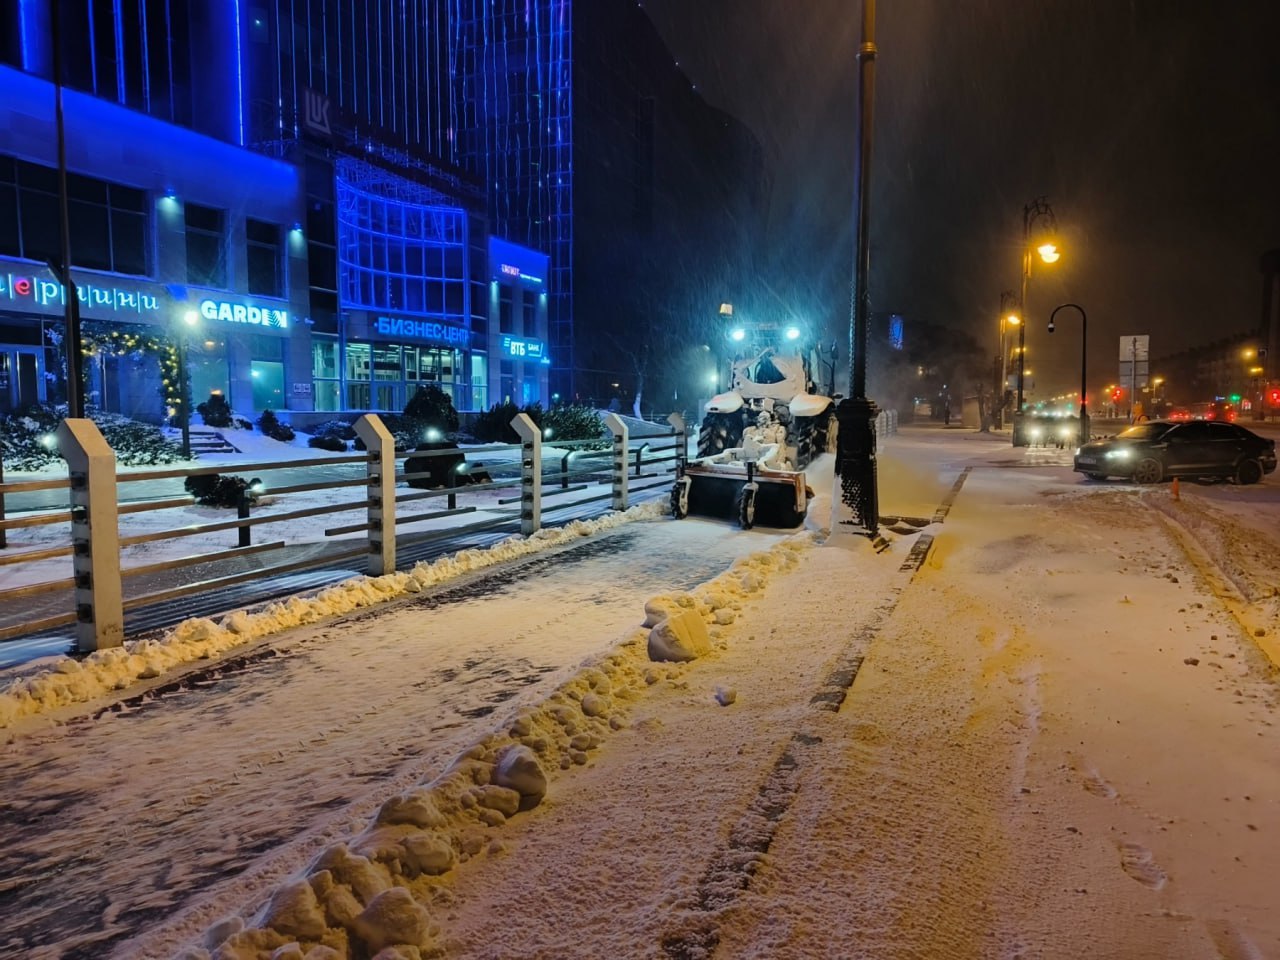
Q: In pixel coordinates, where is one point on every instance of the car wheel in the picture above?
(1249, 471)
(1148, 471)
(1096, 476)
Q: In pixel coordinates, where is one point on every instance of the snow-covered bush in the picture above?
(494, 425)
(215, 412)
(136, 444)
(569, 421)
(335, 428)
(29, 443)
(215, 490)
(327, 442)
(432, 408)
(273, 427)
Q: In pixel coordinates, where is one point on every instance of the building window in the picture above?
(262, 243)
(108, 221)
(206, 246)
(504, 311)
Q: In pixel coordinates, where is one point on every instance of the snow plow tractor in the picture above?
(755, 441)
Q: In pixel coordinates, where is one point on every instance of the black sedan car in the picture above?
(1160, 449)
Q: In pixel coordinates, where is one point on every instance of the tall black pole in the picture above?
(1084, 363)
(855, 415)
(71, 307)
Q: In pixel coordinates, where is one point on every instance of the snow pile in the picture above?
(357, 898)
(71, 681)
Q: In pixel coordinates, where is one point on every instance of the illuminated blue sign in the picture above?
(522, 348)
(244, 313)
(512, 262)
(36, 291)
(421, 330)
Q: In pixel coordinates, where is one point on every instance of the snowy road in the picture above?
(182, 790)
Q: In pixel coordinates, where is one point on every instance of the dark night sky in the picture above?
(1152, 126)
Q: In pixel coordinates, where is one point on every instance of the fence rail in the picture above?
(96, 544)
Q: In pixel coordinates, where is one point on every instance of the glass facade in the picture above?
(513, 101)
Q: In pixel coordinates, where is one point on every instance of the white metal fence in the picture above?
(97, 587)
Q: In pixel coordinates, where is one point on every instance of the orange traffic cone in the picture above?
(1175, 489)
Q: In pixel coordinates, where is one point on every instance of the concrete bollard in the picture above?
(620, 436)
(95, 535)
(381, 445)
(530, 473)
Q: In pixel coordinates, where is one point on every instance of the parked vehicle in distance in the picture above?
(1178, 413)
(1214, 410)
(1162, 449)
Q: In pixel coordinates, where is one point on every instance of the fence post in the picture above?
(381, 469)
(3, 542)
(618, 428)
(564, 470)
(682, 440)
(530, 473)
(95, 535)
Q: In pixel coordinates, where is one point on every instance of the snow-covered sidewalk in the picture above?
(1056, 737)
(1060, 741)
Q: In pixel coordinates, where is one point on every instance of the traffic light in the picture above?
(1273, 396)
(1117, 393)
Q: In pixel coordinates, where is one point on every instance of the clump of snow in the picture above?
(358, 897)
(682, 636)
(69, 681)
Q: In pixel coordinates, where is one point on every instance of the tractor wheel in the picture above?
(747, 508)
(719, 431)
(679, 503)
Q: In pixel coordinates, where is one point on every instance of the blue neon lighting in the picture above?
(239, 76)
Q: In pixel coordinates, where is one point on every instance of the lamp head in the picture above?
(1051, 326)
(1048, 252)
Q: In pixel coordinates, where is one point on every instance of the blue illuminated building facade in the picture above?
(268, 184)
(332, 203)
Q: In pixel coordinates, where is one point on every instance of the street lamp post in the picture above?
(855, 415)
(1007, 318)
(1035, 211)
(1084, 359)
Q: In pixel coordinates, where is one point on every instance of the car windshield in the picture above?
(1143, 431)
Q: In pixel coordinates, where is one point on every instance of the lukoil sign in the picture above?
(244, 313)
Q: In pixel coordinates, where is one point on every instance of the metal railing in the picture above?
(95, 545)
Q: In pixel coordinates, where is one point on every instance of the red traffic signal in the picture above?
(1116, 393)
(1273, 397)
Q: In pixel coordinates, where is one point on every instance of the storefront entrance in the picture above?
(21, 378)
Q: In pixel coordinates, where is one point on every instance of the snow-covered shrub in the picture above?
(273, 427)
(215, 490)
(327, 442)
(575, 422)
(215, 412)
(27, 442)
(136, 444)
(432, 408)
(494, 425)
(335, 428)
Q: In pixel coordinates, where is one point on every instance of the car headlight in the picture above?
(1036, 433)
(1118, 454)
(1065, 431)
